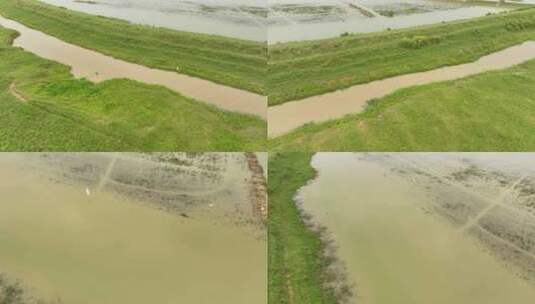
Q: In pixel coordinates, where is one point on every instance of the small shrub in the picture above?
(418, 42)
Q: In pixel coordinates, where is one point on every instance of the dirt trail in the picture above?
(288, 116)
(14, 92)
(98, 67)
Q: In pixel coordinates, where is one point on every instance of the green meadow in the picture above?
(45, 109)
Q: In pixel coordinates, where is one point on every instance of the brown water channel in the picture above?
(98, 67)
(395, 245)
(67, 232)
(288, 116)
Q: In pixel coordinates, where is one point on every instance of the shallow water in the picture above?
(348, 18)
(92, 245)
(394, 251)
(290, 115)
(98, 67)
(237, 18)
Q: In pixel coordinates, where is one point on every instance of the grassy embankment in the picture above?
(232, 62)
(64, 114)
(494, 111)
(302, 69)
(297, 268)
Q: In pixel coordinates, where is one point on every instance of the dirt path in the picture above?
(14, 92)
(98, 67)
(288, 116)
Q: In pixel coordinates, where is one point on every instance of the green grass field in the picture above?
(301, 69)
(494, 111)
(297, 269)
(66, 114)
(233, 62)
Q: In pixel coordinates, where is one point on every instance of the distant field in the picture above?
(302, 69)
(44, 108)
(233, 62)
(493, 111)
(297, 271)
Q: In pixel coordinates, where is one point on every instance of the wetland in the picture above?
(136, 228)
(451, 227)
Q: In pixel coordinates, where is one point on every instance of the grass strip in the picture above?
(297, 269)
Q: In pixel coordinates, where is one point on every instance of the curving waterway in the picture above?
(98, 67)
(288, 116)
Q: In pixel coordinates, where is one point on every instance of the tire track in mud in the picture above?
(106, 176)
(493, 203)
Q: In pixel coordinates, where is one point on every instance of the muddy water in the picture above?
(98, 67)
(395, 252)
(237, 18)
(103, 248)
(288, 116)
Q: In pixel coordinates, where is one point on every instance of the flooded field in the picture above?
(293, 20)
(429, 228)
(288, 116)
(132, 228)
(98, 67)
(244, 19)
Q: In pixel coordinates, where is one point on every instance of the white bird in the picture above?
(87, 191)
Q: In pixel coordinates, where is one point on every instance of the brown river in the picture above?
(286, 117)
(395, 244)
(68, 232)
(98, 67)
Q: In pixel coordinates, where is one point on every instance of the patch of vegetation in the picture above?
(302, 69)
(65, 114)
(418, 42)
(12, 292)
(297, 267)
(233, 62)
(520, 25)
(494, 111)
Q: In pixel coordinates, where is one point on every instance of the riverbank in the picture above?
(66, 114)
(233, 62)
(487, 112)
(303, 69)
(298, 269)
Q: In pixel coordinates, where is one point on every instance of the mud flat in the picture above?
(311, 20)
(131, 228)
(288, 116)
(414, 242)
(97, 67)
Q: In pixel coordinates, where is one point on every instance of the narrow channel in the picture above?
(98, 67)
(291, 115)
